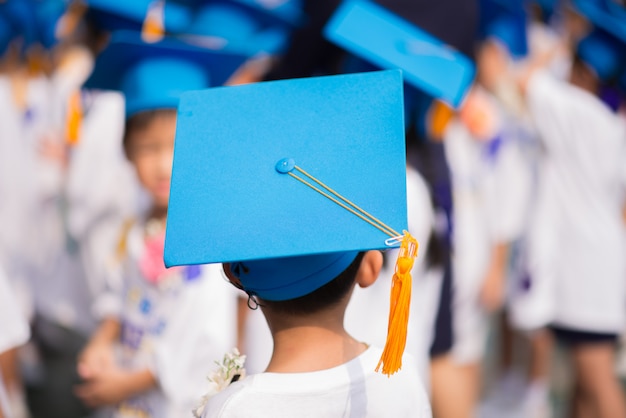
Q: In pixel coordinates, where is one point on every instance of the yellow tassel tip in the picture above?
(74, 118)
(400, 302)
(153, 28)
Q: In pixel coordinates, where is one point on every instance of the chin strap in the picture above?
(400, 301)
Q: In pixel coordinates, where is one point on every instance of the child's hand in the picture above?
(114, 385)
(95, 359)
(106, 387)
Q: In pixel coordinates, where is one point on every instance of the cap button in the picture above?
(285, 165)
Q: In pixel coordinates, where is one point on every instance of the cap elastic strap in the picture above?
(344, 203)
(400, 301)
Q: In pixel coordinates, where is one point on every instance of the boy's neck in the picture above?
(310, 345)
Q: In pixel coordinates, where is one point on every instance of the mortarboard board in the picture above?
(131, 14)
(153, 75)
(230, 200)
(289, 180)
(384, 39)
(506, 22)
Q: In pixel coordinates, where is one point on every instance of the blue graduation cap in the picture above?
(20, 15)
(382, 38)
(47, 16)
(289, 179)
(605, 14)
(506, 22)
(603, 53)
(238, 26)
(130, 14)
(153, 75)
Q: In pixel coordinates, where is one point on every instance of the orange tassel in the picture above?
(73, 118)
(400, 301)
(153, 28)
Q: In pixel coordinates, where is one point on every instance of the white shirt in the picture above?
(577, 237)
(350, 390)
(177, 328)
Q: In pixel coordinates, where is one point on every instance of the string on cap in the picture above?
(400, 297)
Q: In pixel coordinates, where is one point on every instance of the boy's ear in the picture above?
(370, 268)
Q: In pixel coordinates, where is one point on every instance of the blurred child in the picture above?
(577, 230)
(302, 254)
(169, 324)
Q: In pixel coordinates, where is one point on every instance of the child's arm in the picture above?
(492, 290)
(98, 354)
(114, 385)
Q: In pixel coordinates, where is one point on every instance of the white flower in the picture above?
(229, 368)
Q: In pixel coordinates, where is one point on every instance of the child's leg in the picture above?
(598, 383)
(454, 388)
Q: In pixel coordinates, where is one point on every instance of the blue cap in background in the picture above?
(506, 22)
(154, 75)
(603, 53)
(239, 26)
(384, 39)
(131, 14)
(604, 14)
(235, 194)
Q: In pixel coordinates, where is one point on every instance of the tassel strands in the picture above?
(400, 301)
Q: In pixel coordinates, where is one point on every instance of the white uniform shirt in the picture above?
(491, 184)
(577, 237)
(177, 328)
(350, 390)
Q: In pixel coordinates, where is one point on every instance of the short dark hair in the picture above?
(326, 296)
(140, 121)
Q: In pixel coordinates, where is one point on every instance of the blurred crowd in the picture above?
(516, 188)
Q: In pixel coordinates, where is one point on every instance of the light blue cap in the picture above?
(384, 39)
(602, 53)
(234, 197)
(153, 75)
(130, 14)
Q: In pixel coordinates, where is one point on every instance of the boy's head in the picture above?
(298, 178)
(362, 270)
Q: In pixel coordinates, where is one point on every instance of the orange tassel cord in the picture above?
(400, 301)
(73, 118)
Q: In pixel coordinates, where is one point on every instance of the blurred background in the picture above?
(515, 117)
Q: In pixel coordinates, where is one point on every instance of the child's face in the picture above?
(151, 152)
